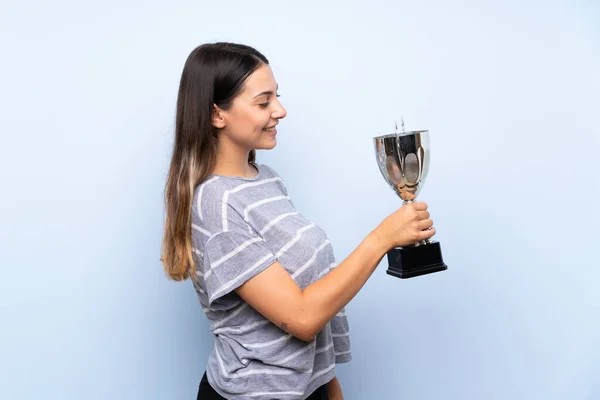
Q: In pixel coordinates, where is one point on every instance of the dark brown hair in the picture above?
(213, 74)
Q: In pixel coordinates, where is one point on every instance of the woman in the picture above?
(266, 276)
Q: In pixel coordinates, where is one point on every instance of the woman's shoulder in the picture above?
(216, 189)
(213, 187)
(208, 199)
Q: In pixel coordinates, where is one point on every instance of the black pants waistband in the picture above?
(207, 392)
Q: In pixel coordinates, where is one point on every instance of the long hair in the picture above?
(213, 74)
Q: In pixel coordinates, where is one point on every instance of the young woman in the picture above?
(266, 276)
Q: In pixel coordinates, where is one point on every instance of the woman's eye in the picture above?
(268, 103)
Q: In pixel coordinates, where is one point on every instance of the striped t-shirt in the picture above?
(240, 226)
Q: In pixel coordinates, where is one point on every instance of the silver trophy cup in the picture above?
(403, 160)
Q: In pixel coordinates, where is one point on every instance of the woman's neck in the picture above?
(233, 161)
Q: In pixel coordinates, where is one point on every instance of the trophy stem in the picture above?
(423, 242)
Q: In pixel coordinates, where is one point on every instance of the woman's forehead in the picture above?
(261, 80)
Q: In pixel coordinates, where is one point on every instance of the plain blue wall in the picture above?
(510, 92)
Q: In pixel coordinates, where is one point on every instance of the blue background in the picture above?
(510, 92)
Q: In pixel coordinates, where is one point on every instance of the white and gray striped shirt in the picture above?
(240, 227)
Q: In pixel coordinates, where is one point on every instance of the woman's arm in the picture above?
(303, 313)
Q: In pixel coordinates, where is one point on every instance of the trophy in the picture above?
(403, 160)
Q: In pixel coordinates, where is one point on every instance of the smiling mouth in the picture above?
(271, 129)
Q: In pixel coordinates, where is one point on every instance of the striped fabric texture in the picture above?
(240, 226)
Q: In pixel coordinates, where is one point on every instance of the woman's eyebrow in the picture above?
(266, 92)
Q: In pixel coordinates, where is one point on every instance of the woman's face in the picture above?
(250, 122)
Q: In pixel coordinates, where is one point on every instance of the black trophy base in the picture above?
(411, 261)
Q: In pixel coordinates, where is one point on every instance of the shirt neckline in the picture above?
(243, 178)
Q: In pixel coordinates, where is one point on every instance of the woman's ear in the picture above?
(217, 118)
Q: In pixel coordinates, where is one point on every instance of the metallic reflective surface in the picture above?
(403, 160)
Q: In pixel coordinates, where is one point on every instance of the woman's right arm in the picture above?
(303, 313)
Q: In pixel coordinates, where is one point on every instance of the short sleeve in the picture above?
(233, 256)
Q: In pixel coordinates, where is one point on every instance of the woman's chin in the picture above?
(269, 144)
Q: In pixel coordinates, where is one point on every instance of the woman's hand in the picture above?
(406, 226)
(334, 389)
